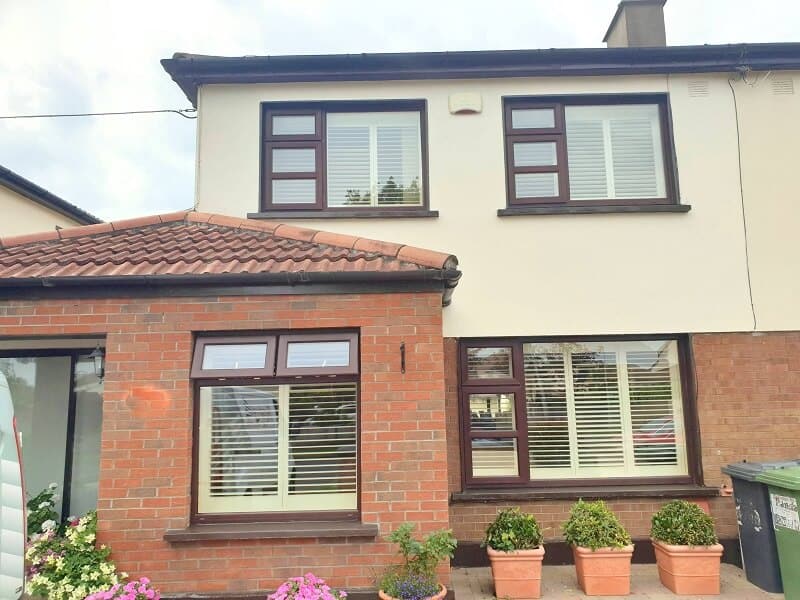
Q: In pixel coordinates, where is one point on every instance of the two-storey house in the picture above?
(280, 390)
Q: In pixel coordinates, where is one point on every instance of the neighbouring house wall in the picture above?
(748, 399)
(22, 215)
(570, 274)
(147, 429)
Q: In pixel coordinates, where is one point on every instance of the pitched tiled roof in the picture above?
(194, 245)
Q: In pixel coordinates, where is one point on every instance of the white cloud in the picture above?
(99, 55)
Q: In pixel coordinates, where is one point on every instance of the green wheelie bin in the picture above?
(784, 496)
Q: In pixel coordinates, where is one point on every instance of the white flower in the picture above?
(48, 525)
(55, 497)
(53, 486)
(44, 505)
(71, 518)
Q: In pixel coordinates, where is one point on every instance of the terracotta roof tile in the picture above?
(192, 243)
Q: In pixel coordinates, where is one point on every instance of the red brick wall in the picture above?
(749, 408)
(147, 429)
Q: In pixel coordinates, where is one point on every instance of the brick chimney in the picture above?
(637, 23)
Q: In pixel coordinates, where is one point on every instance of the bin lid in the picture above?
(788, 478)
(750, 470)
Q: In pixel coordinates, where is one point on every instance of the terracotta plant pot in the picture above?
(690, 570)
(518, 574)
(605, 571)
(442, 593)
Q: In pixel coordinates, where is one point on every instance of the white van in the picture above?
(12, 501)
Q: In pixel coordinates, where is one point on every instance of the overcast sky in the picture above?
(90, 56)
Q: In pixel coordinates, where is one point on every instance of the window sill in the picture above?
(346, 214)
(513, 211)
(270, 531)
(587, 492)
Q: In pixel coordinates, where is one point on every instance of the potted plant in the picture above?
(601, 547)
(514, 544)
(688, 553)
(416, 578)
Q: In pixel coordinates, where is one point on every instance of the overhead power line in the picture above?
(186, 113)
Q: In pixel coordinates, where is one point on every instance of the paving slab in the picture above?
(475, 583)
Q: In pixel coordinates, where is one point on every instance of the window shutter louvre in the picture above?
(654, 412)
(349, 163)
(398, 158)
(598, 418)
(322, 440)
(547, 411)
(614, 152)
(586, 159)
(374, 159)
(604, 409)
(633, 150)
(238, 449)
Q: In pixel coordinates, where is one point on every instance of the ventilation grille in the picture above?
(783, 87)
(698, 88)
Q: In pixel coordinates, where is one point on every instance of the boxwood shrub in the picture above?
(513, 530)
(683, 523)
(593, 525)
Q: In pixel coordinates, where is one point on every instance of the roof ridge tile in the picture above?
(281, 237)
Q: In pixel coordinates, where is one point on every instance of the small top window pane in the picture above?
(294, 125)
(317, 354)
(234, 356)
(489, 363)
(533, 118)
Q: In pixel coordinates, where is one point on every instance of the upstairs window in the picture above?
(588, 151)
(344, 156)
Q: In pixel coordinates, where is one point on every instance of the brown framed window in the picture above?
(269, 447)
(579, 410)
(344, 156)
(589, 150)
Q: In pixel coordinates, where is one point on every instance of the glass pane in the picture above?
(615, 152)
(533, 118)
(655, 403)
(294, 125)
(489, 363)
(492, 412)
(294, 191)
(234, 356)
(494, 458)
(39, 389)
(318, 354)
(238, 449)
(547, 409)
(534, 154)
(322, 444)
(536, 185)
(294, 160)
(86, 444)
(604, 409)
(399, 168)
(374, 159)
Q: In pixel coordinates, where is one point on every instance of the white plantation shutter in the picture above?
(547, 409)
(615, 152)
(277, 448)
(322, 446)
(604, 409)
(374, 159)
(238, 449)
